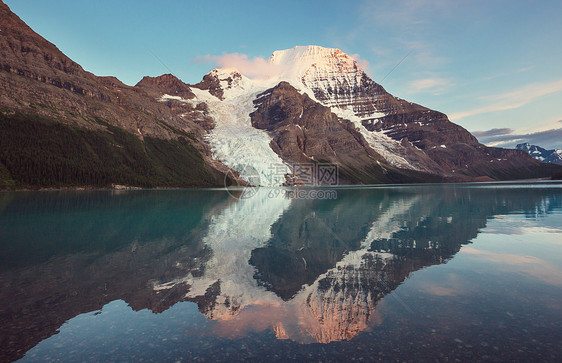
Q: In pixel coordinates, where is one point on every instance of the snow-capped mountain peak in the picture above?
(312, 69)
(318, 70)
(301, 53)
(252, 129)
(328, 75)
(225, 72)
(231, 79)
(297, 62)
(553, 156)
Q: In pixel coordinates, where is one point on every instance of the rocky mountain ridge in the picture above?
(64, 127)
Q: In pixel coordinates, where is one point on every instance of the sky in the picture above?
(494, 67)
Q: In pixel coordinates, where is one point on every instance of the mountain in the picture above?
(61, 126)
(553, 156)
(317, 105)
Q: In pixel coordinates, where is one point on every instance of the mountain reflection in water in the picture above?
(307, 270)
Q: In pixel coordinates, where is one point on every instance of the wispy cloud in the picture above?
(256, 67)
(424, 54)
(433, 85)
(481, 110)
(525, 69)
(506, 73)
(507, 137)
(409, 13)
(513, 99)
(529, 92)
(409, 27)
(492, 133)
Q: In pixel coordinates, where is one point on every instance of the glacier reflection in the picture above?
(306, 270)
(314, 270)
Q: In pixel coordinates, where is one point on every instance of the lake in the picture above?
(423, 272)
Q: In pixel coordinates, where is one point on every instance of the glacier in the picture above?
(310, 69)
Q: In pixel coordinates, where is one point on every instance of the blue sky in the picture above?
(495, 67)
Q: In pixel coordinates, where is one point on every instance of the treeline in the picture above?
(37, 152)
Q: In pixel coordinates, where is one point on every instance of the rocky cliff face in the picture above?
(132, 134)
(166, 83)
(37, 77)
(304, 131)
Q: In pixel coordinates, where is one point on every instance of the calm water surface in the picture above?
(469, 272)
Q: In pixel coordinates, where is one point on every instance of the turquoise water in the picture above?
(434, 272)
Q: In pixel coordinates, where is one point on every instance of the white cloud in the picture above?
(477, 111)
(513, 99)
(256, 68)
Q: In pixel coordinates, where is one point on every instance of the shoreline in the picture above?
(118, 187)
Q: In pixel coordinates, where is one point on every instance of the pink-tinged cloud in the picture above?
(453, 285)
(255, 68)
(525, 265)
(362, 63)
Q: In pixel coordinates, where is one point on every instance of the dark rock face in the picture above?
(305, 131)
(38, 78)
(451, 147)
(216, 82)
(166, 83)
(211, 83)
